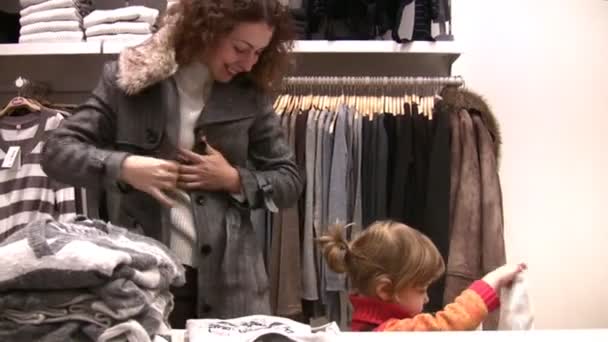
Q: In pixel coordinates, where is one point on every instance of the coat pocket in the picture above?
(243, 256)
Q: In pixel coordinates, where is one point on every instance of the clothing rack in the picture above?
(367, 94)
(374, 81)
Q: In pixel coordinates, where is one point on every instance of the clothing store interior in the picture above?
(303, 170)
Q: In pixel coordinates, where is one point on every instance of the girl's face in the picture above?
(412, 299)
(238, 51)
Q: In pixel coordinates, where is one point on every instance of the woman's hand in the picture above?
(151, 175)
(207, 172)
(504, 275)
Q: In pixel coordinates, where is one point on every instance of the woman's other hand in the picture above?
(152, 176)
(210, 172)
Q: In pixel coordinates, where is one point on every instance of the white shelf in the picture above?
(115, 47)
(351, 47)
(302, 46)
(75, 67)
(36, 49)
(374, 46)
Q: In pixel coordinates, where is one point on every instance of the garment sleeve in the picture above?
(274, 182)
(466, 313)
(79, 152)
(65, 202)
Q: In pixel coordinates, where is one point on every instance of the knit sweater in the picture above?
(193, 87)
(131, 13)
(51, 26)
(64, 280)
(65, 255)
(466, 313)
(57, 14)
(122, 37)
(118, 28)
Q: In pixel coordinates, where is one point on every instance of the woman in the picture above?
(181, 130)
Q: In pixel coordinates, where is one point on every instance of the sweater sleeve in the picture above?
(466, 313)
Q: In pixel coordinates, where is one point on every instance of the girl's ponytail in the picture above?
(335, 249)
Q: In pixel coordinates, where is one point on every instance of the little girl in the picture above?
(391, 266)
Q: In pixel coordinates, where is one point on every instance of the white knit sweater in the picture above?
(193, 87)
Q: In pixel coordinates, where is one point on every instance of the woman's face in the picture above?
(238, 51)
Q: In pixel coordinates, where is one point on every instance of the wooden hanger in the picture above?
(307, 105)
(395, 105)
(396, 108)
(275, 104)
(21, 102)
(280, 103)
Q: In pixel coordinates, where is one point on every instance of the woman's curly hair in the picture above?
(200, 24)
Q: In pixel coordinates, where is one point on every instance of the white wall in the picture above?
(543, 66)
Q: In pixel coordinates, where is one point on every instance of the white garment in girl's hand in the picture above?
(515, 308)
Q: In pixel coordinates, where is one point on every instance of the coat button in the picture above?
(200, 200)
(124, 187)
(207, 308)
(151, 136)
(205, 249)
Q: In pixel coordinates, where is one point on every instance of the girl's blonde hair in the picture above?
(385, 249)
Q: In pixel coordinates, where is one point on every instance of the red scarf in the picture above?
(369, 313)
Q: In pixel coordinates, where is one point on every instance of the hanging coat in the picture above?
(476, 216)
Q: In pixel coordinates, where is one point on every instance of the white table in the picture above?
(473, 336)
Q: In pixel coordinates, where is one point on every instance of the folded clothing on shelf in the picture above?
(52, 37)
(53, 20)
(85, 280)
(121, 37)
(56, 14)
(51, 26)
(26, 3)
(119, 28)
(131, 13)
(83, 6)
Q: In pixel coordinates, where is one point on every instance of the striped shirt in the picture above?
(26, 192)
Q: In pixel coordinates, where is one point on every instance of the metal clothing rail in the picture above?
(374, 81)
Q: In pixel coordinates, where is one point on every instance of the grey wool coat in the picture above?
(127, 114)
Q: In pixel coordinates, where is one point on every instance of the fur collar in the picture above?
(149, 62)
(455, 99)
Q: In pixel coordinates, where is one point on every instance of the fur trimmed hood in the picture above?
(150, 62)
(455, 99)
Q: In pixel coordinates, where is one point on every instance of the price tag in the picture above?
(12, 160)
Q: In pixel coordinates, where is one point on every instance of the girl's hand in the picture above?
(504, 275)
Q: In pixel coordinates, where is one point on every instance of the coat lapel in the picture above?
(226, 103)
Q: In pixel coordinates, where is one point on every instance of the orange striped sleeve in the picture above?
(466, 313)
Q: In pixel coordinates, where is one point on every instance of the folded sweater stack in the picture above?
(52, 20)
(122, 24)
(84, 281)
